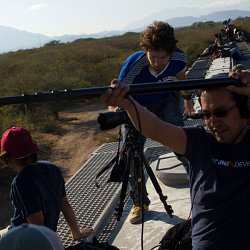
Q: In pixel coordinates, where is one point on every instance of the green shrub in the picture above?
(80, 64)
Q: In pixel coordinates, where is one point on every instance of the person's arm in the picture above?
(112, 108)
(36, 218)
(244, 76)
(172, 136)
(70, 218)
(186, 95)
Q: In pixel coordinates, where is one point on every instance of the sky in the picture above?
(60, 17)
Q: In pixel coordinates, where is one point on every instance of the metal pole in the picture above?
(86, 93)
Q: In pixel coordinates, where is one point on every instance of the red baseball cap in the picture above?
(17, 143)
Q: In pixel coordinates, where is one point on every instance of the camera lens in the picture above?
(109, 120)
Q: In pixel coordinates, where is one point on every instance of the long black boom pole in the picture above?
(87, 93)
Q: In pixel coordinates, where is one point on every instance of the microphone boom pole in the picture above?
(87, 93)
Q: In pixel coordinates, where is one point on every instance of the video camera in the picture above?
(109, 120)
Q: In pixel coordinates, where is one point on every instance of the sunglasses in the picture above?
(218, 113)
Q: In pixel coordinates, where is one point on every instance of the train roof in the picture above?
(95, 207)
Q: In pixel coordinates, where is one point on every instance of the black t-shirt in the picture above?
(220, 191)
(38, 187)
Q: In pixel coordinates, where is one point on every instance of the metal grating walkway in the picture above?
(89, 202)
(245, 50)
(94, 207)
(198, 69)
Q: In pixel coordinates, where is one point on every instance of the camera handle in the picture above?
(131, 150)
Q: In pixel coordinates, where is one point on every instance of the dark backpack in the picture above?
(117, 174)
(118, 164)
(178, 237)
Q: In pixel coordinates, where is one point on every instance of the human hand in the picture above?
(188, 108)
(244, 76)
(82, 233)
(115, 96)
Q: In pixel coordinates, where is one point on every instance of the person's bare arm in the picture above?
(172, 136)
(70, 218)
(36, 218)
(188, 103)
(112, 108)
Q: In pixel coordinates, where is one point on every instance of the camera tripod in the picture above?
(132, 153)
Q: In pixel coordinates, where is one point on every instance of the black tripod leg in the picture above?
(138, 178)
(119, 208)
(157, 187)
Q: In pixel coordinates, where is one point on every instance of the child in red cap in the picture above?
(38, 190)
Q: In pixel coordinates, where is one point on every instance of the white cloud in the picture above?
(38, 6)
(222, 3)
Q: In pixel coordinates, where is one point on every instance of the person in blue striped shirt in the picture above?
(160, 60)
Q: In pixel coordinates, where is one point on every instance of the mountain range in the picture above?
(14, 39)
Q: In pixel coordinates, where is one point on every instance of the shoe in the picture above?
(136, 214)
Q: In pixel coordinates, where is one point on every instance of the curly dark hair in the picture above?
(158, 36)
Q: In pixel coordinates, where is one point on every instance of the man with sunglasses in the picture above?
(219, 161)
(219, 113)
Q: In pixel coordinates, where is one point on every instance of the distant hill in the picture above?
(13, 39)
(217, 16)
